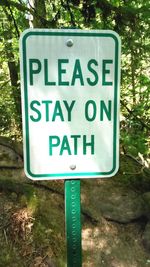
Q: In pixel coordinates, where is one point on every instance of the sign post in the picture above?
(70, 107)
(73, 223)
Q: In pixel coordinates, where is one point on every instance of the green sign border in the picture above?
(69, 34)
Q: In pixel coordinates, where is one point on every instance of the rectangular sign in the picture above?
(70, 103)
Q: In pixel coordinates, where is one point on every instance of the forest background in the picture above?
(130, 19)
(114, 213)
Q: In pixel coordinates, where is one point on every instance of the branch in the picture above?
(24, 8)
(45, 187)
(135, 116)
(71, 15)
(67, 6)
(104, 4)
(2, 85)
(15, 24)
(20, 7)
(7, 142)
(143, 169)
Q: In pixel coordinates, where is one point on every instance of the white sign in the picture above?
(70, 103)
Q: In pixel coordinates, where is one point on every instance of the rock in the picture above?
(123, 208)
(14, 196)
(23, 201)
(116, 204)
(17, 147)
(50, 262)
(146, 237)
(146, 199)
(9, 158)
(10, 154)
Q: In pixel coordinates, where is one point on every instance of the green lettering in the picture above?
(47, 82)
(54, 141)
(62, 71)
(106, 110)
(90, 110)
(34, 68)
(92, 83)
(106, 71)
(77, 73)
(38, 113)
(69, 108)
(75, 137)
(58, 112)
(47, 103)
(65, 146)
(88, 144)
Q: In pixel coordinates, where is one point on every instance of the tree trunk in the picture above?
(39, 17)
(13, 68)
(133, 68)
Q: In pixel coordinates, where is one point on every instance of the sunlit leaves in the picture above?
(129, 18)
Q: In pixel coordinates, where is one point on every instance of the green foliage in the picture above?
(129, 18)
(9, 186)
(7, 111)
(9, 257)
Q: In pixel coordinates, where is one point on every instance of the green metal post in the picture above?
(73, 223)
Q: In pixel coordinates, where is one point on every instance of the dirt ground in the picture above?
(32, 224)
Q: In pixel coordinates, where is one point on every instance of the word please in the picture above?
(64, 73)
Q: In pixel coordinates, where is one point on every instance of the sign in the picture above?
(70, 103)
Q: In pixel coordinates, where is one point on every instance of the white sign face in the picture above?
(70, 103)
